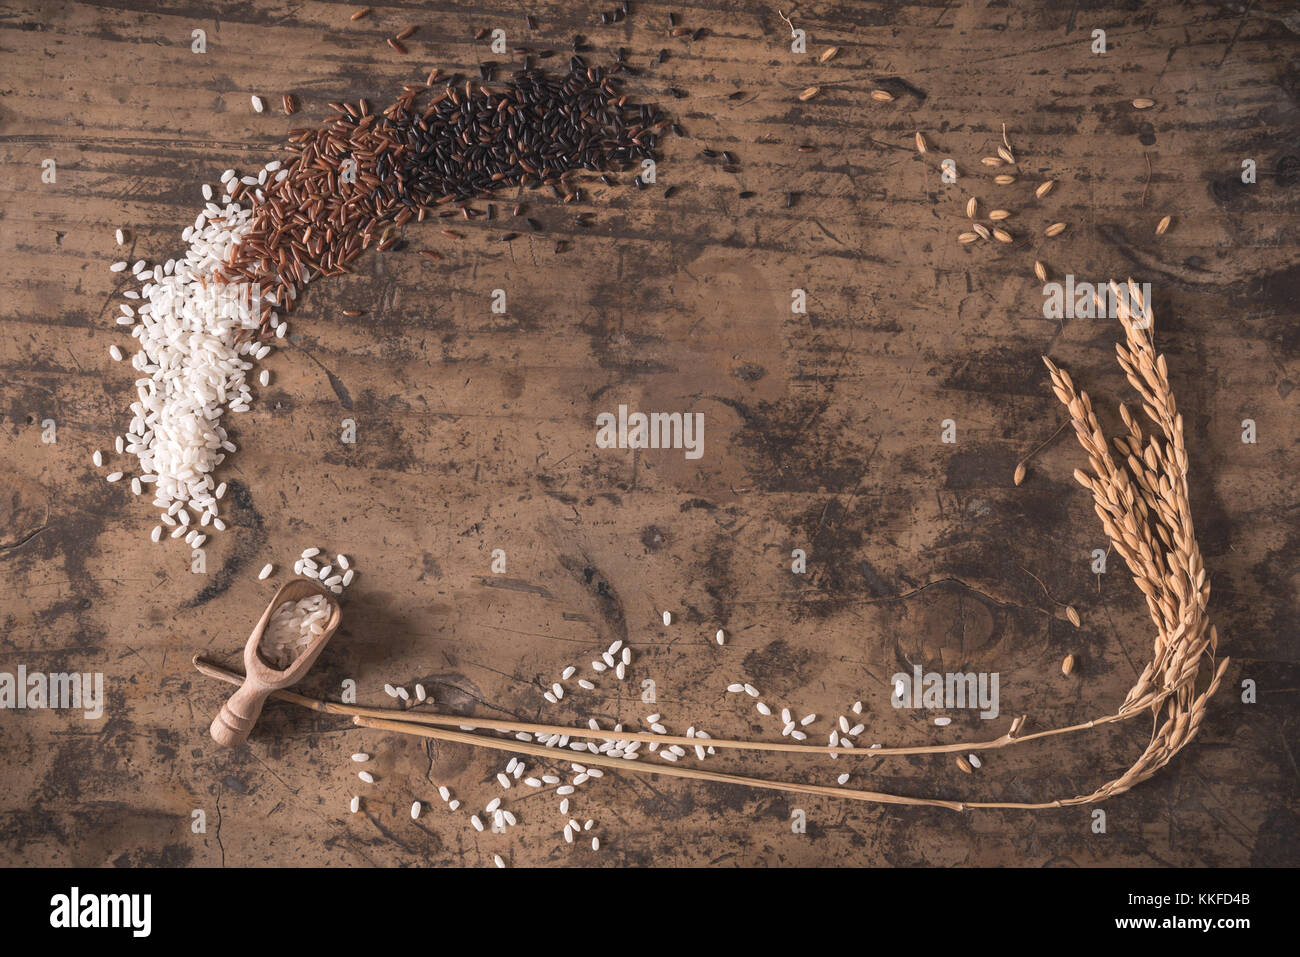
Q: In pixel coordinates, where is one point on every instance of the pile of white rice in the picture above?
(293, 626)
(191, 368)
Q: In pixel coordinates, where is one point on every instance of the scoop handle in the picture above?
(233, 723)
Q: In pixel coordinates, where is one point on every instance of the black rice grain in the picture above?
(430, 154)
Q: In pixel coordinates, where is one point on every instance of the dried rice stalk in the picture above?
(1141, 497)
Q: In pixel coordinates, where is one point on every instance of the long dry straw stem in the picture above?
(645, 767)
(1142, 501)
(463, 722)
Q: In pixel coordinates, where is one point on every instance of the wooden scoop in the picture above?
(238, 715)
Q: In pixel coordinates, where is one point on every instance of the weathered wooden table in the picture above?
(475, 431)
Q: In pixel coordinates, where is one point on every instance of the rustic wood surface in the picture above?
(475, 432)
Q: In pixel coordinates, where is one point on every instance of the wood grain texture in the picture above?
(475, 432)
